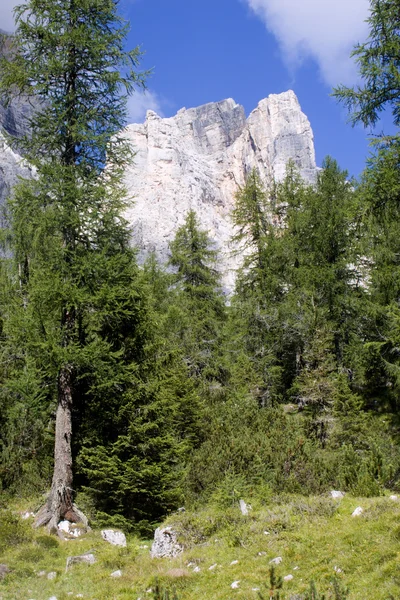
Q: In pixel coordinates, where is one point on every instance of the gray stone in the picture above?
(116, 573)
(199, 158)
(52, 575)
(244, 509)
(276, 561)
(337, 494)
(165, 543)
(116, 538)
(4, 569)
(87, 558)
(288, 578)
(357, 512)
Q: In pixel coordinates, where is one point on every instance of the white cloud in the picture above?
(140, 102)
(7, 15)
(325, 30)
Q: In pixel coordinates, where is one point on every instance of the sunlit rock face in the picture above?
(14, 121)
(199, 158)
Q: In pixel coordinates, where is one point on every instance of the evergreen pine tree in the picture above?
(200, 308)
(76, 312)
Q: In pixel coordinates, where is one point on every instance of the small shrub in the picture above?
(13, 530)
(160, 592)
(32, 554)
(47, 542)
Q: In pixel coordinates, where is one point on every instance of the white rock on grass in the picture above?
(70, 529)
(276, 561)
(337, 494)
(235, 584)
(116, 538)
(244, 509)
(357, 512)
(393, 497)
(234, 562)
(27, 515)
(52, 575)
(165, 543)
(337, 569)
(87, 558)
(212, 567)
(116, 573)
(288, 578)
(196, 570)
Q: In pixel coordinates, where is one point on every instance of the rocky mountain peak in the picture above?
(197, 160)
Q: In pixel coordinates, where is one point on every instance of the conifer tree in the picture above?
(379, 67)
(202, 307)
(76, 302)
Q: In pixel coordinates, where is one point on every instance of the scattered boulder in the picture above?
(235, 585)
(357, 512)
(234, 562)
(116, 573)
(288, 578)
(116, 538)
(68, 530)
(393, 497)
(337, 494)
(196, 570)
(3, 571)
(276, 561)
(244, 508)
(165, 543)
(212, 567)
(52, 575)
(87, 558)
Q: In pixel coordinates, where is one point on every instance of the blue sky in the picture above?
(208, 50)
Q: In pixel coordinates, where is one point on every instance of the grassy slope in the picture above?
(314, 534)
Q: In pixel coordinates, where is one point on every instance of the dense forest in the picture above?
(133, 390)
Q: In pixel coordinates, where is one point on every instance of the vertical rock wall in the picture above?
(199, 158)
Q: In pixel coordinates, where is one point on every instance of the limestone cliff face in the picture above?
(14, 121)
(199, 158)
(194, 160)
(11, 167)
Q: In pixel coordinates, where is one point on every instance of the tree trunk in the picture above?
(60, 504)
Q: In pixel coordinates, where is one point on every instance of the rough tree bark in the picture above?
(60, 503)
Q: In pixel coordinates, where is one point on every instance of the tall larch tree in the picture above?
(75, 300)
